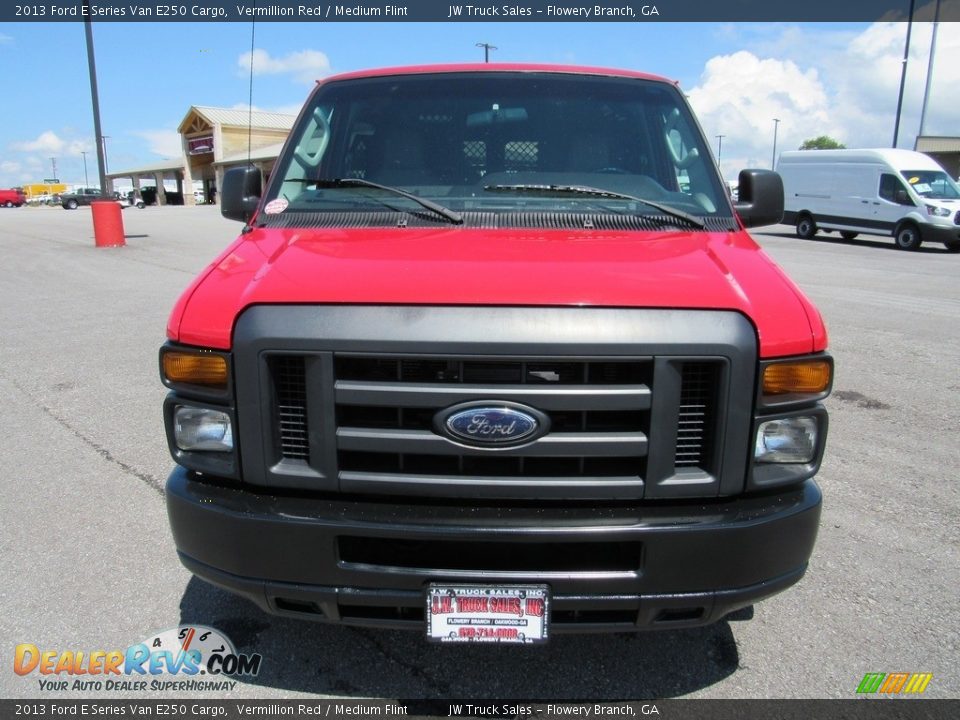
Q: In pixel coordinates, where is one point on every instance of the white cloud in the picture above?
(10, 167)
(303, 65)
(47, 141)
(741, 94)
(5, 39)
(819, 82)
(165, 143)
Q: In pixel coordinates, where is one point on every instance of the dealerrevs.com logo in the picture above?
(187, 658)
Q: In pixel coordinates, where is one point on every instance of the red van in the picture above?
(481, 366)
(12, 198)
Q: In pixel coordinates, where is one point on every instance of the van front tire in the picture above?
(806, 227)
(908, 237)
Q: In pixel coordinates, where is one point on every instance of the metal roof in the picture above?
(240, 118)
(269, 152)
(928, 143)
(150, 169)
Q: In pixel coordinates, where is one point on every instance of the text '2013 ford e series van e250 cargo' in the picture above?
(898, 193)
(477, 365)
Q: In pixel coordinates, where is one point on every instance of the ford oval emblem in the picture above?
(492, 425)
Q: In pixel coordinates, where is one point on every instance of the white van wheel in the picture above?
(806, 228)
(908, 237)
(847, 234)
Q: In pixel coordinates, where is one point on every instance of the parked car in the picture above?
(12, 198)
(83, 196)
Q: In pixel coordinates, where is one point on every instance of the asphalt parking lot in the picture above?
(88, 562)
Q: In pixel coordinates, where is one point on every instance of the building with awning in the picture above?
(154, 174)
(215, 139)
(945, 150)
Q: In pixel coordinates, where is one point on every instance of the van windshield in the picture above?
(497, 142)
(932, 184)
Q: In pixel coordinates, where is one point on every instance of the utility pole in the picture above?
(773, 162)
(53, 164)
(719, 147)
(86, 180)
(487, 47)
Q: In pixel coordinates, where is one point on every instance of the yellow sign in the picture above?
(36, 189)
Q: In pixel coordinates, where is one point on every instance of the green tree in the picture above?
(824, 142)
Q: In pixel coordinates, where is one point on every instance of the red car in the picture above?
(12, 198)
(496, 358)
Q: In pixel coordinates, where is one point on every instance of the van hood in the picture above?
(474, 266)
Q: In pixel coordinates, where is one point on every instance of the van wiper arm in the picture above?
(598, 192)
(452, 216)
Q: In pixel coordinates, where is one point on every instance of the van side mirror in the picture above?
(902, 198)
(241, 193)
(760, 198)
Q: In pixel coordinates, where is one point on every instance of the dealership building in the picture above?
(212, 141)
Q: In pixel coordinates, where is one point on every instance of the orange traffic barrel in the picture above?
(107, 223)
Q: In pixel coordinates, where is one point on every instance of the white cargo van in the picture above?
(901, 193)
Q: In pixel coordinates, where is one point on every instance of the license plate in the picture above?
(488, 613)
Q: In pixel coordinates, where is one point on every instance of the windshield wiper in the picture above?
(452, 216)
(598, 192)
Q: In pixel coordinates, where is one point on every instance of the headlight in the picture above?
(937, 211)
(203, 429)
(786, 440)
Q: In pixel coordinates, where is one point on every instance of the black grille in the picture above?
(443, 370)
(697, 407)
(384, 435)
(290, 398)
(566, 557)
(404, 395)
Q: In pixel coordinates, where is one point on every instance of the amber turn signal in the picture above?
(195, 369)
(805, 377)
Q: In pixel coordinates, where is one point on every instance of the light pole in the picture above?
(487, 47)
(773, 162)
(53, 165)
(903, 76)
(94, 96)
(86, 180)
(106, 165)
(933, 53)
(719, 149)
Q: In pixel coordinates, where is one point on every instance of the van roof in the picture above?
(895, 157)
(494, 67)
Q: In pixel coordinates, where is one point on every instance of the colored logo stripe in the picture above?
(918, 682)
(894, 683)
(871, 682)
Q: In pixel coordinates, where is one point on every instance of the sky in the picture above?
(836, 79)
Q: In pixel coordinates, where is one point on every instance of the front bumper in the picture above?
(609, 567)
(935, 232)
